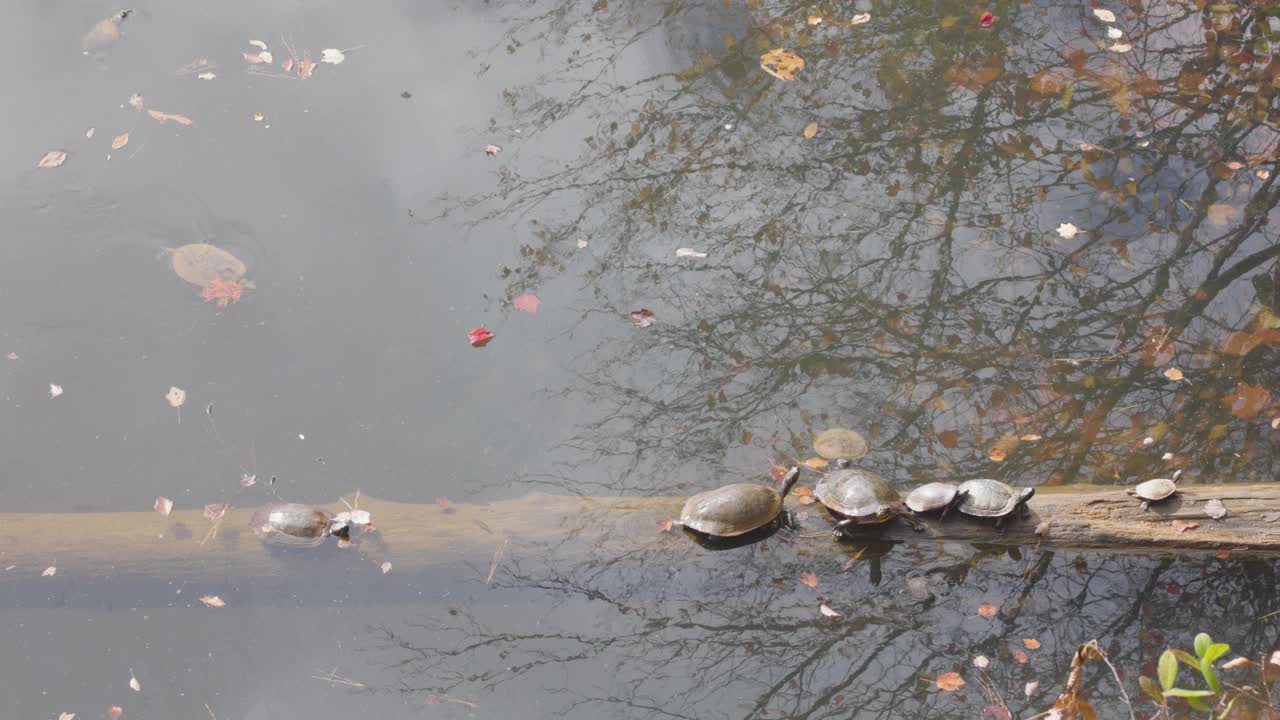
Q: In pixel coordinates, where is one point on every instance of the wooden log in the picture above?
(416, 538)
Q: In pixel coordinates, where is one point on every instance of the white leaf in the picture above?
(333, 56)
(859, 19)
(1067, 230)
(361, 517)
(265, 57)
(212, 601)
(1215, 509)
(581, 244)
(176, 396)
(133, 682)
(492, 150)
(1105, 16)
(66, 716)
(54, 390)
(386, 568)
(1114, 32)
(827, 611)
(1263, 173)
(164, 505)
(135, 101)
(689, 252)
(206, 76)
(981, 661)
(1031, 688)
(52, 159)
(258, 44)
(88, 134)
(1120, 48)
(49, 571)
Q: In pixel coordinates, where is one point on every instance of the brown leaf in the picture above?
(810, 130)
(1181, 526)
(1173, 374)
(948, 439)
(166, 117)
(1031, 643)
(1234, 663)
(1021, 657)
(1247, 400)
(997, 455)
(52, 159)
(809, 579)
(213, 601)
(988, 610)
(815, 463)
(782, 64)
(950, 681)
(164, 505)
(777, 472)
(305, 66)
(120, 141)
(1223, 553)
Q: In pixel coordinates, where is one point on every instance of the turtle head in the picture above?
(122, 15)
(789, 481)
(1025, 494)
(843, 463)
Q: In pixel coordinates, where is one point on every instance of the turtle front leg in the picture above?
(838, 531)
(913, 520)
(787, 519)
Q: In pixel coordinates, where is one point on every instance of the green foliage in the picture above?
(1207, 653)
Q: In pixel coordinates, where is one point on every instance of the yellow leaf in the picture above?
(782, 64)
(1173, 374)
(815, 463)
(810, 130)
(815, 20)
(1031, 643)
(987, 610)
(120, 141)
(949, 681)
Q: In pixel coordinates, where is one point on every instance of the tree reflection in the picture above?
(900, 272)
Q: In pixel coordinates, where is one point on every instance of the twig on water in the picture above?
(333, 677)
(853, 559)
(497, 558)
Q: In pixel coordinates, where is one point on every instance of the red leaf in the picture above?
(987, 20)
(948, 439)
(664, 525)
(642, 317)
(1020, 656)
(223, 292)
(479, 337)
(446, 505)
(527, 302)
(809, 579)
(999, 712)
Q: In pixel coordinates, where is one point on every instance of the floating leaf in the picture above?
(49, 571)
(642, 318)
(1031, 643)
(385, 567)
(1067, 230)
(54, 390)
(987, 20)
(164, 117)
(948, 439)
(1030, 437)
(492, 151)
(1215, 509)
(1120, 48)
(1247, 400)
(247, 480)
(1021, 657)
(665, 525)
(950, 681)
(223, 291)
(814, 20)
(1173, 374)
(66, 716)
(782, 64)
(827, 611)
(1181, 526)
(479, 337)
(581, 243)
(1223, 214)
(810, 130)
(809, 579)
(133, 682)
(777, 472)
(988, 610)
(135, 101)
(689, 253)
(997, 455)
(1234, 663)
(1262, 173)
(1114, 32)
(814, 463)
(258, 44)
(262, 57)
(527, 302)
(214, 511)
(115, 712)
(860, 19)
(120, 141)
(213, 601)
(1030, 688)
(164, 505)
(176, 396)
(836, 443)
(981, 661)
(206, 76)
(52, 159)
(804, 495)
(333, 56)
(1105, 16)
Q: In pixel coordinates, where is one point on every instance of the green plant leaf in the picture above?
(1202, 643)
(1186, 657)
(1199, 704)
(1149, 687)
(1215, 651)
(1210, 677)
(1228, 709)
(1185, 693)
(1168, 669)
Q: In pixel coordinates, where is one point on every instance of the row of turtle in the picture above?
(855, 495)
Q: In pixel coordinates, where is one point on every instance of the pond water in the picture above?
(1038, 251)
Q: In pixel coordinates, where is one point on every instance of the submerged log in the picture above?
(420, 538)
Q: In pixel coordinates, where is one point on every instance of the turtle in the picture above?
(202, 263)
(103, 33)
(935, 496)
(858, 496)
(1153, 491)
(993, 499)
(839, 443)
(295, 524)
(736, 509)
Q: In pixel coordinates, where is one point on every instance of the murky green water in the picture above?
(988, 258)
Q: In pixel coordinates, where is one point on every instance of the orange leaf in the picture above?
(948, 439)
(120, 141)
(166, 117)
(115, 712)
(664, 525)
(949, 681)
(803, 492)
(213, 601)
(807, 500)
(815, 463)
(1247, 400)
(988, 610)
(1021, 657)
(809, 579)
(810, 130)
(1173, 374)
(1031, 643)
(996, 455)
(778, 472)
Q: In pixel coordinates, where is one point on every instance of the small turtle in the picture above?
(736, 509)
(1153, 491)
(858, 496)
(294, 524)
(105, 32)
(993, 499)
(935, 496)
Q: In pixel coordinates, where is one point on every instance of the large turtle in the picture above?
(736, 509)
(1153, 491)
(202, 263)
(858, 496)
(993, 499)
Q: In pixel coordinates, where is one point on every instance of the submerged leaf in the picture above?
(950, 681)
(120, 141)
(782, 64)
(527, 302)
(164, 117)
(809, 579)
(810, 130)
(213, 601)
(1247, 400)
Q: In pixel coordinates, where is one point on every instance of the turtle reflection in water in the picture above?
(735, 511)
(297, 525)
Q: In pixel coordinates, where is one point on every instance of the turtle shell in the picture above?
(202, 263)
(932, 496)
(840, 443)
(104, 32)
(991, 498)
(731, 510)
(292, 524)
(858, 494)
(1155, 490)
